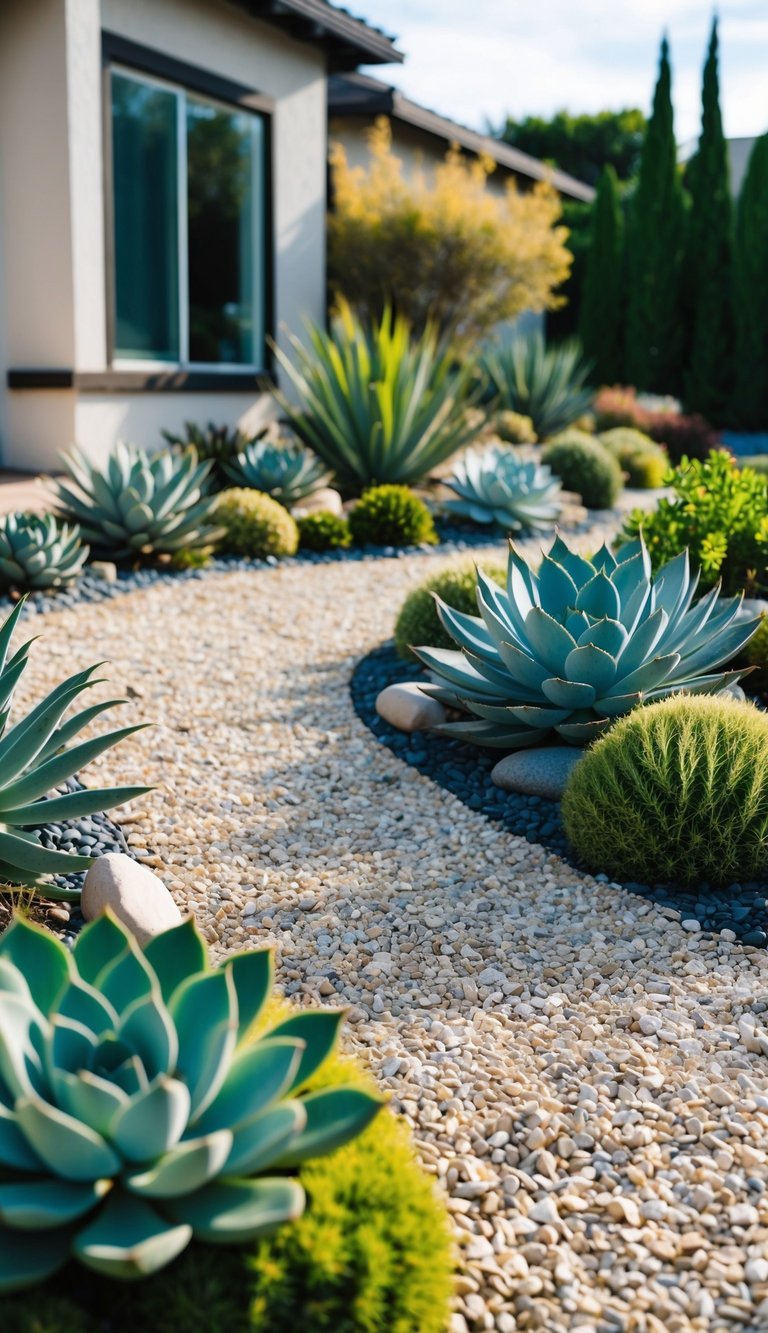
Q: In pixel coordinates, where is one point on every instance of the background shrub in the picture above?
(644, 461)
(372, 1254)
(255, 525)
(514, 428)
(586, 467)
(324, 531)
(675, 793)
(391, 516)
(418, 622)
(720, 513)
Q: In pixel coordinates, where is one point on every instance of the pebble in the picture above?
(407, 708)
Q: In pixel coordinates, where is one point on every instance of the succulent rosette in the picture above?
(289, 473)
(505, 487)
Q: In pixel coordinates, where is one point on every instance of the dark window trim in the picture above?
(147, 60)
(140, 381)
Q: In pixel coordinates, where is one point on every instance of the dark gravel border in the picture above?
(465, 771)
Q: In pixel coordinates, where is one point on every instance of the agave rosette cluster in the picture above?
(135, 1111)
(39, 551)
(505, 487)
(288, 472)
(138, 504)
(578, 643)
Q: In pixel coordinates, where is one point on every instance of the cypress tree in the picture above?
(655, 247)
(750, 282)
(601, 316)
(708, 379)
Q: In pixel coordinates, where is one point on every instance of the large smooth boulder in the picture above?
(540, 772)
(132, 893)
(324, 501)
(408, 709)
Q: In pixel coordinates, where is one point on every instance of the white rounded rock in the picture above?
(324, 501)
(132, 893)
(407, 708)
(540, 772)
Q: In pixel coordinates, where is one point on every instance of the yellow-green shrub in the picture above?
(255, 525)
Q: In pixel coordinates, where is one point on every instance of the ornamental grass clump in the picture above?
(677, 793)
(136, 1112)
(391, 516)
(585, 466)
(418, 620)
(578, 643)
(378, 403)
(39, 551)
(254, 525)
(505, 488)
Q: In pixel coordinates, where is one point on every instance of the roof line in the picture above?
(321, 19)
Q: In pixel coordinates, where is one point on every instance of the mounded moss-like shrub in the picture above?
(372, 1254)
(324, 531)
(255, 525)
(191, 558)
(514, 428)
(418, 621)
(585, 466)
(675, 793)
(755, 654)
(391, 516)
(644, 461)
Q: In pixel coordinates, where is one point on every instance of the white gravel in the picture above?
(586, 1079)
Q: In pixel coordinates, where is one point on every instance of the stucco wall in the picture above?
(52, 249)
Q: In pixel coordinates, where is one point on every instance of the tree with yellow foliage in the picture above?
(446, 250)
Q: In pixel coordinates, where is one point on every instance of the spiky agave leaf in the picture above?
(547, 384)
(138, 504)
(135, 1110)
(506, 487)
(578, 643)
(288, 472)
(39, 551)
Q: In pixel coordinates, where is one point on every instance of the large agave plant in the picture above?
(135, 1112)
(572, 647)
(287, 472)
(547, 384)
(36, 756)
(378, 404)
(38, 551)
(138, 504)
(505, 487)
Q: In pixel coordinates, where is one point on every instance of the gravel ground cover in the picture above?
(586, 1079)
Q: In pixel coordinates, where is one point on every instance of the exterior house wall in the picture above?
(53, 268)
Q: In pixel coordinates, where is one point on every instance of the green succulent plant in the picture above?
(391, 516)
(504, 487)
(378, 404)
(135, 1113)
(138, 505)
(572, 647)
(39, 551)
(288, 472)
(546, 384)
(36, 756)
(215, 444)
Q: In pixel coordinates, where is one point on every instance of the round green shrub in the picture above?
(391, 516)
(755, 654)
(514, 428)
(255, 525)
(418, 622)
(191, 557)
(372, 1254)
(324, 531)
(645, 462)
(586, 467)
(675, 793)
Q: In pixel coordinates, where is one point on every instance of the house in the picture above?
(162, 209)
(421, 138)
(739, 153)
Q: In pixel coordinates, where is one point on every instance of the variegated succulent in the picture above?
(138, 505)
(577, 644)
(506, 487)
(288, 472)
(135, 1111)
(39, 551)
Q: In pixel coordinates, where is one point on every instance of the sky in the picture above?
(476, 60)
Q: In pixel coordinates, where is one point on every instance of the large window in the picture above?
(189, 249)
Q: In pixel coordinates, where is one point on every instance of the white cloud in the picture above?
(474, 62)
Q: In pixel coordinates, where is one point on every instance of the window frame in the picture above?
(152, 67)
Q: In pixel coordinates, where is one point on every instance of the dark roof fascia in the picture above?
(348, 41)
(359, 95)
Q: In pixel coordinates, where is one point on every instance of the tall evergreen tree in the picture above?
(750, 285)
(653, 359)
(708, 379)
(602, 316)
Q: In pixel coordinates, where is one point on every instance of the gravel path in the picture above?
(587, 1079)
